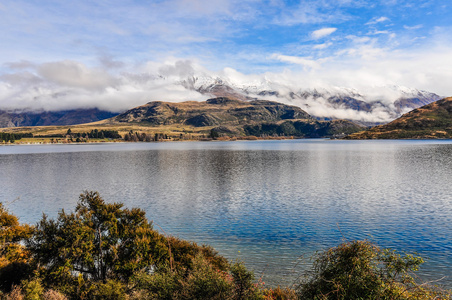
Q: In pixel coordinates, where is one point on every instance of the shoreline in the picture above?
(220, 139)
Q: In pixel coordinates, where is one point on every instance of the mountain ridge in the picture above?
(221, 109)
(223, 116)
(321, 103)
(431, 121)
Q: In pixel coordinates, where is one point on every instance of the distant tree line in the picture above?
(13, 136)
(143, 137)
(95, 134)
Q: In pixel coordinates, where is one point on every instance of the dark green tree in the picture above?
(100, 241)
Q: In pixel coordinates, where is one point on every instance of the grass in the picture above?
(43, 134)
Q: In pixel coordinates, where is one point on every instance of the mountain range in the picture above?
(386, 104)
(380, 106)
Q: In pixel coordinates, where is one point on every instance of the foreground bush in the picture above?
(361, 270)
(202, 281)
(105, 251)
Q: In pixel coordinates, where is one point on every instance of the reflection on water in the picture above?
(265, 202)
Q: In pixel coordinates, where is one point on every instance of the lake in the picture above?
(271, 204)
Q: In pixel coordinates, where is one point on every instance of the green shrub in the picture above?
(183, 253)
(200, 281)
(361, 270)
(33, 289)
(163, 285)
(206, 282)
(111, 290)
(100, 240)
(243, 282)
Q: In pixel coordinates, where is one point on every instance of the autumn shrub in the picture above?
(15, 294)
(279, 293)
(14, 257)
(54, 295)
(12, 234)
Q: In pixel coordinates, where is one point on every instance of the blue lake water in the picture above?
(271, 204)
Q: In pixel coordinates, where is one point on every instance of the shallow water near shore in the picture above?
(271, 204)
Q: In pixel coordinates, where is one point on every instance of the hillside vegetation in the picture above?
(217, 118)
(432, 121)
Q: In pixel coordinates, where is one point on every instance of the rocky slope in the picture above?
(216, 111)
(224, 116)
(432, 121)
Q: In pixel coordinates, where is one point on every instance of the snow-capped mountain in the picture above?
(379, 105)
(122, 91)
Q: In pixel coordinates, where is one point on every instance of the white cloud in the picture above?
(74, 74)
(359, 39)
(377, 20)
(305, 62)
(322, 46)
(311, 12)
(320, 33)
(69, 85)
(413, 27)
(376, 32)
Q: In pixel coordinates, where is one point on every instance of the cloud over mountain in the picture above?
(70, 85)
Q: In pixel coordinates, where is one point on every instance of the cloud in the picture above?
(181, 69)
(305, 62)
(358, 39)
(377, 20)
(322, 46)
(320, 33)
(74, 74)
(413, 27)
(23, 64)
(63, 85)
(379, 32)
(312, 12)
(109, 62)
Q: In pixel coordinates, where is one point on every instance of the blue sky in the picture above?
(67, 45)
